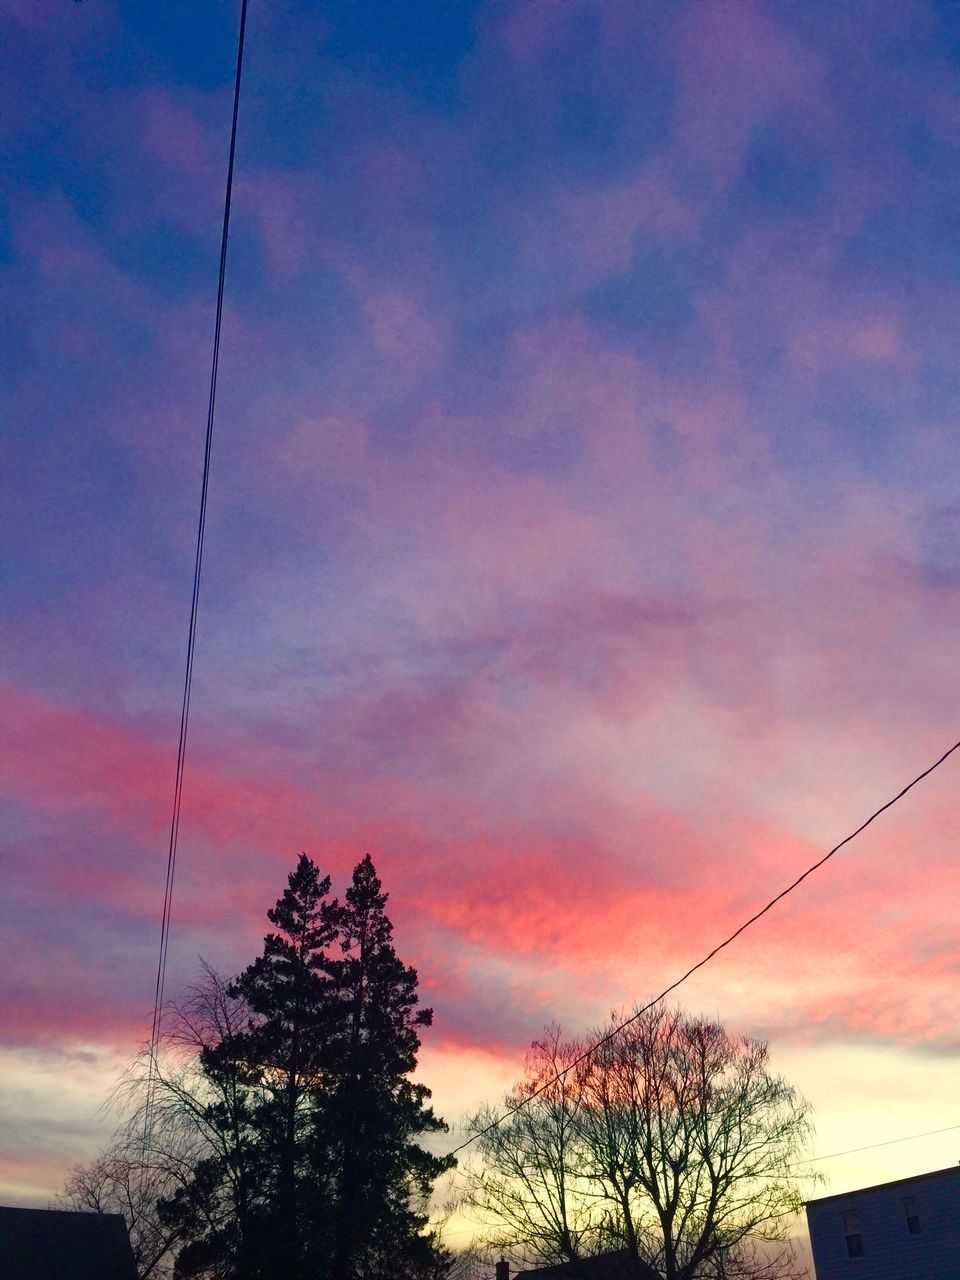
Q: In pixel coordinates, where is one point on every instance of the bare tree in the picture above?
(118, 1182)
(529, 1185)
(475, 1262)
(172, 1115)
(671, 1141)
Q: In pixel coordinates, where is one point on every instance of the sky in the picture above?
(583, 535)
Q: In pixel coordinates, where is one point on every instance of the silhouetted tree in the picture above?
(672, 1141)
(192, 1116)
(240, 1212)
(374, 1112)
(118, 1181)
(530, 1181)
(319, 1174)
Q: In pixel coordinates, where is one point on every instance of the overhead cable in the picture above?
(889, 1142)
(198, 564)
(611, 1035)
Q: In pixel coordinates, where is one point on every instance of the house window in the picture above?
(851, 1229)
(911, 1215)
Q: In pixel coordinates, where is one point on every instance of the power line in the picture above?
(610, 1035)
(833, 1155)
(195, 597)
(872, 1146)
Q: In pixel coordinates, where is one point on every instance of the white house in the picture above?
(903, 1230)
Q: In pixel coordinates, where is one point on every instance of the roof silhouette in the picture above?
(54, 1244)
(604, 1266)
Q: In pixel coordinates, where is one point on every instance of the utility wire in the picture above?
(833, 1155)
(587, 1053)
(478, 1227)
(195, 598)
(872, 1146)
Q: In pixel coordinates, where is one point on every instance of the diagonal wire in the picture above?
(610, 1035)
(832, 1155)
(888, 1142)
(195, 598)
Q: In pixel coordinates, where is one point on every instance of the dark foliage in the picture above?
(320, 1173)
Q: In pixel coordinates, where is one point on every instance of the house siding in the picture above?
(890, 1252)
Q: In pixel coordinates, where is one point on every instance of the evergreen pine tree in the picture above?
(284, 1053)
(376, 1112)
(319, 1175)
(243, 1211)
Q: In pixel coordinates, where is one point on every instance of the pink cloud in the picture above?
(587, 234)
(315, 447)
(173, 135)
(528, 30)
(92, 290)
(604, 224)
(67, 760)
(404, 333)
(786, 282)
(54, 240)
(737, 67)
(876, 339)
(533, 29)
(643, 880)
(59, 1012)
(279, 206)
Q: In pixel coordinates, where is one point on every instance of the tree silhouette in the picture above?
(671, 1142)
(284, 1053)
(156, 1154)
(316, 1173)
(375, 1111)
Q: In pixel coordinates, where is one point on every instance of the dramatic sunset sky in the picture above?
(584, 525)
